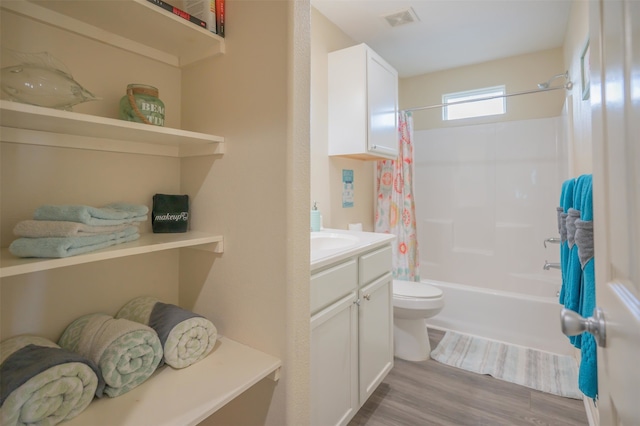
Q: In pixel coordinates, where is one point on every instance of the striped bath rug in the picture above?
(543, 371)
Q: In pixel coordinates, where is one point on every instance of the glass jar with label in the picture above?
(142, 105)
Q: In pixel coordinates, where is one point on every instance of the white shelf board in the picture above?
(30, 124)
(147, 243)
(187, 396)
(137, 26)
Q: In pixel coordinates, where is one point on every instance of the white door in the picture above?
(615, 98)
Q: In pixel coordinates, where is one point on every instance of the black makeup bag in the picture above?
(170, 213)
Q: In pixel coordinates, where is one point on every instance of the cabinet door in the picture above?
(376, 334)
(334, 363)
(382, 91)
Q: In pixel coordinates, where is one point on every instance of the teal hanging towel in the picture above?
(170, 213)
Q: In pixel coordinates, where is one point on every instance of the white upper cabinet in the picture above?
(363, 105)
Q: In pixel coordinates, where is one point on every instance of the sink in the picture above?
(332, 245)
(331, 241)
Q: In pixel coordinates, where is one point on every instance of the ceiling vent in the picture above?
(402, 17)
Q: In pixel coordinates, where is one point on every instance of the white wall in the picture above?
(517, 73)
(326, 172)
(580, 146)
(485, 200)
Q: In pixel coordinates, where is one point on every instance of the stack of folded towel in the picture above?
(43, 384)
(186, 337)
(126, 352)
(69, 230)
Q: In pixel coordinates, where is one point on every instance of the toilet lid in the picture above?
(415, 289)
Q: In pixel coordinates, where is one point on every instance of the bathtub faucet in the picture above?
(551, 240)
(548, 265)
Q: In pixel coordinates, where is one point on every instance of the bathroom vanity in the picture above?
(351, 321)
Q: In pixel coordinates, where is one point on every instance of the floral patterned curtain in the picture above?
(395, 206)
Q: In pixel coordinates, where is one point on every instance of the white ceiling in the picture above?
(450, 33)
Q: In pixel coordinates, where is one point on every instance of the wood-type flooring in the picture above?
(429, 393)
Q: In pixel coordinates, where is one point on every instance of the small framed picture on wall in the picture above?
(585, 61)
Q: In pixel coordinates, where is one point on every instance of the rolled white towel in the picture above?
(43, 384)
(186, 337)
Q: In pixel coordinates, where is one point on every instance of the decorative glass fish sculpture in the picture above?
(40, 79)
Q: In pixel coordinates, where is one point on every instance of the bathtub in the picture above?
(521, 319)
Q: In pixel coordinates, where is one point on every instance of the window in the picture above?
(479, 108)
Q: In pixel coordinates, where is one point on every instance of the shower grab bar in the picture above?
(548, 266)
(551, 240)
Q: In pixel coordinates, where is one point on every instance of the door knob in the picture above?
(573, 324)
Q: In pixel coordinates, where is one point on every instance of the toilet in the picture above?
(413, 302)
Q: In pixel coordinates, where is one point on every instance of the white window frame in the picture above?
(496, 103)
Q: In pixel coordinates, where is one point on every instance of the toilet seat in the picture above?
(415, 290)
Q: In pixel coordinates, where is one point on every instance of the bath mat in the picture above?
(543, 371)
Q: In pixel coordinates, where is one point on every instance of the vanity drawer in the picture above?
(375, 264)
(331, 284)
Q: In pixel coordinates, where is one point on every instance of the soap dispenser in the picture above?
(315, 218)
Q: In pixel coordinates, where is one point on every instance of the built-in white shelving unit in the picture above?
(170, 397)
(185, 397)
(147, 243)
(137, 26)
(29, 124)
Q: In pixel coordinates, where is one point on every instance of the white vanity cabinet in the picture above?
(50, 155)
(375, 319)
(351, 334)
(334, 344)
(363, 105)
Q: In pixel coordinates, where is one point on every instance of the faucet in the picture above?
(548, 266)
(551, 240)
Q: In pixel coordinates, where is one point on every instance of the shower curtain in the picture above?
(395, 206)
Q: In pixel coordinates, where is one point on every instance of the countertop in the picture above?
(365, 241)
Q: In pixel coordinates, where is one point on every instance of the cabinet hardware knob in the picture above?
(357, 302)
(367, 297)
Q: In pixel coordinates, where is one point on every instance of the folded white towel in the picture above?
(59, 228)
(112, 214)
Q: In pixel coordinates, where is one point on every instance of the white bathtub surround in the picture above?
(520, 319)
(486, 198)
(543, 371)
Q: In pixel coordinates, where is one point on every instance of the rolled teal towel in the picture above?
(43, 384)
(69, 246)
(186, 337)
(126, 352)
(111, 214)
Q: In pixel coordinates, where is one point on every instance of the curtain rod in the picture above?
(526, 92)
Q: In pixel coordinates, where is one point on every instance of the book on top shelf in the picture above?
(220, 12)
(204, 10)
(179, 12)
